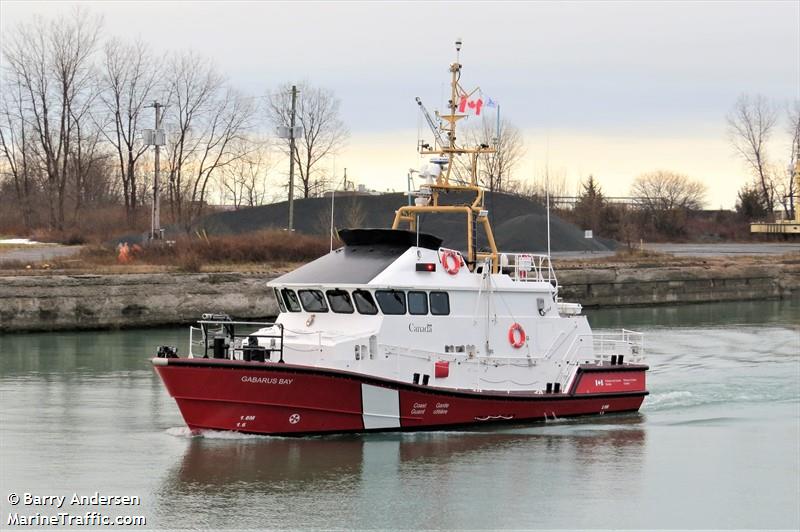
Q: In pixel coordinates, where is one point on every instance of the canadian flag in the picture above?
(465, 105)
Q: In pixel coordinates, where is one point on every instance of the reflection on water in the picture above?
(357, 480)
(247, 462)
(715, 445)
(66, 355)
(784, 312)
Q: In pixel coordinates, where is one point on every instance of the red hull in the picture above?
(288, 399)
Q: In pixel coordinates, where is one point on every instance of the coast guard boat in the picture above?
(395, 331)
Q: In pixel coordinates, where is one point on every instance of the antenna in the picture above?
(333, 197)
(547, 194)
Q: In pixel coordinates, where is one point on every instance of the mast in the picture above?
(476, 214)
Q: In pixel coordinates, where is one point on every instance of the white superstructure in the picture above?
(487, 331)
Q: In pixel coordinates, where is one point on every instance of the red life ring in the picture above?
(515, 340)
(453, 266)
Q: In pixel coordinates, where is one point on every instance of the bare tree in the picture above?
(554, 182)
(750, 126)
(129, 79)
(788, 187)
(193, 84)
(495, 170)
(664, 191)
(206, 119)
(86, 156)
(51, 62)
(17, 149)
(354, 212)
(244, 181)
(324, 132)
(665, 199)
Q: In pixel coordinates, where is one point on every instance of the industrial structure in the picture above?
(784, 227)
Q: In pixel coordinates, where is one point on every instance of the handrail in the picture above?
(528, 267)
(624, 342)
(227, 343)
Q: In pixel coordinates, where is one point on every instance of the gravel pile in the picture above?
(519, 224)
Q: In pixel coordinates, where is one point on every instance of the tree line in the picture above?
(74, 103)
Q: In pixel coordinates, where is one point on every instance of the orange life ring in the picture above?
(515, 340)
(453, 266)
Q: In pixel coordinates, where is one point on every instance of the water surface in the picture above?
(716, 444)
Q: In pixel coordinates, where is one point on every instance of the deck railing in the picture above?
(220, 336)
(625, 343)
(528, 267)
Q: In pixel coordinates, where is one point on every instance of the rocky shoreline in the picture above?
(74, 302)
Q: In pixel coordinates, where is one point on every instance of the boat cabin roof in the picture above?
(365, 254)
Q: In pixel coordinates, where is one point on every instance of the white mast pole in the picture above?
(547, 195)
(333, 197)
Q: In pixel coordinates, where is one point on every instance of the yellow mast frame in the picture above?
(473, 211)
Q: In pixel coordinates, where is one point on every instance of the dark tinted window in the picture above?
(364, 302)
(291, 300)
(440, 304)
(339, 301)
(313, 301)
(417, 303)
(391, 301)
(279, 299)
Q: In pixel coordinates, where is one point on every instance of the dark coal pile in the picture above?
(519, 224)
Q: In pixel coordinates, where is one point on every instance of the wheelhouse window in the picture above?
(339, 301)
(391, 301)
(313, 301)
(364, 302)
(279, 299)
(290, 298)
(417, 303)
(440, 303)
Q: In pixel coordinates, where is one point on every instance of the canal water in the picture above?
(716, 445)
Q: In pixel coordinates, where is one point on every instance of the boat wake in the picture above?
(186, 432)
(682, 399)
(667, 400)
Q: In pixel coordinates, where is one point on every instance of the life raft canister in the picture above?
(451, 262)
(516, 336)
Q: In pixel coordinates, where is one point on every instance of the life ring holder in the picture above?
(516, 336)
(449, 266)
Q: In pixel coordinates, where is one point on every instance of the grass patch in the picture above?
(268, 249)
(190, 253)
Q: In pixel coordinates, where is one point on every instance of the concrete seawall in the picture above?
(53, 302)
(609, 287)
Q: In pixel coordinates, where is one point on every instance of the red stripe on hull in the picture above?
(295, 399)
(594, 382)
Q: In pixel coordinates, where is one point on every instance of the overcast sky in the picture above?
(608, 88)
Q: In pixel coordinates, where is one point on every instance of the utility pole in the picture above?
(291, 159)
(157, 139)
